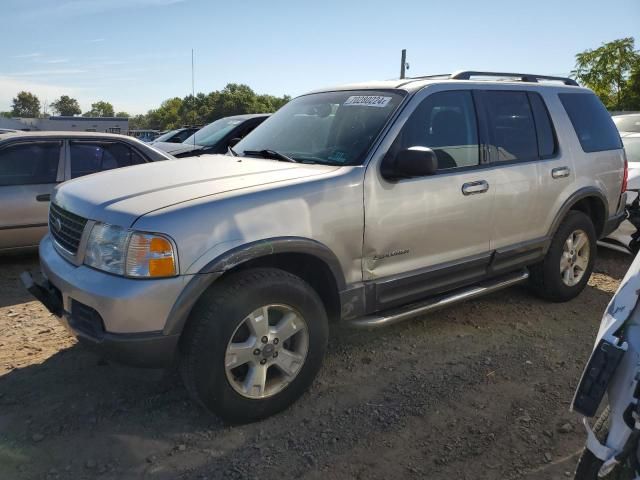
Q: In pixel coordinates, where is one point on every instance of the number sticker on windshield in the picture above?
(368, 100)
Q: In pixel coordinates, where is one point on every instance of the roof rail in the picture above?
(524, 77)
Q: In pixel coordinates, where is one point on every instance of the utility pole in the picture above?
(403, 62)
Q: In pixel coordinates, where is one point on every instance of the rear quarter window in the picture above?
(591, 121)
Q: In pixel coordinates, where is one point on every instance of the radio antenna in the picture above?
(193, 97)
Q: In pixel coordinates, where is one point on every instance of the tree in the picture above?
(607, 71)
(66, 106)
(122, 115)
(100, 109)
(205, 108)
(26, 104)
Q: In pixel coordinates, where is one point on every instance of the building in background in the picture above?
(68, 124)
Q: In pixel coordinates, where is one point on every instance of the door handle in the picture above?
(45, 197)
(560, 172)
(473, 188)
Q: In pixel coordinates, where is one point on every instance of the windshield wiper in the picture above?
(272, 154)
(232, 151)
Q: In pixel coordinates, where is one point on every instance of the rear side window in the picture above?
(511, 126)
(591, 121)
(92, 157)
(544, 127)
(29, 163)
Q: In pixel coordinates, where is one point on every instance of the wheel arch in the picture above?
(589, 200)
(309, 259)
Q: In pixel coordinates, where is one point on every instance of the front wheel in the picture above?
(253, 344)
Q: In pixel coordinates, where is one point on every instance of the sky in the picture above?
(137, 53)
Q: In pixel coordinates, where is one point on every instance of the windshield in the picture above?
(627, 123)
(335, 128)
(632, 147)
(214, 132)
(166, 136)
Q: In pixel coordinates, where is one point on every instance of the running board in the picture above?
(390, 317)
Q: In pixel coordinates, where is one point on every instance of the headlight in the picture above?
(134, 254)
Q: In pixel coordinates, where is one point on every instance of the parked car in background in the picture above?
(145, 135)
(368, 204)
(215, 137)
(628, 122)
(178, 135)
(621, 237)
(33, 163)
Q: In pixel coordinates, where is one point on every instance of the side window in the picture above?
(29, 163)
(591, 121)
(446, 123)
(92, 157)
(511, 127)
(547, 145)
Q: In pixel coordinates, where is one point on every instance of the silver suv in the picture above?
(366, 204)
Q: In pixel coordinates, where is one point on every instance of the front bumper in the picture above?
(122, 318)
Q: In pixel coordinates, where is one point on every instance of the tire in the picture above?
(589, 466)
(546, 277)
(226, 319)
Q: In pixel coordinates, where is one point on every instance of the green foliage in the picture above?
(26, 104)
(122, 115)
(611, 71)
(234, 99)
(100, 109)
(66, 106)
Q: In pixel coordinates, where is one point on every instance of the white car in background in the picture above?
(620, 238)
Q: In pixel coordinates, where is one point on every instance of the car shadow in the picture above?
(11, 266)
(86, 417)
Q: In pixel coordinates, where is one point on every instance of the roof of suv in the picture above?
(496, 78)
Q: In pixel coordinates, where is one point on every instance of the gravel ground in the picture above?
(478, 391)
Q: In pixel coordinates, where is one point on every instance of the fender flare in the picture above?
(576, 196)
(202, 280)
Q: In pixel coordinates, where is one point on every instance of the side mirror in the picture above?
(415, 162)
(234, 141)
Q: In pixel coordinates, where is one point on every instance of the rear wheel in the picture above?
(568, 264)
(253, 344)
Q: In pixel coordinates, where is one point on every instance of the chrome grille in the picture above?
(66, 228)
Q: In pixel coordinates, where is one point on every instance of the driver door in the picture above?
(424, 235)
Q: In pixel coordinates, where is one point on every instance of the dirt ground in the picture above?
(478, 391)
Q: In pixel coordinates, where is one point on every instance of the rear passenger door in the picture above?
(93, 156)
(29, 172)
(523, 152)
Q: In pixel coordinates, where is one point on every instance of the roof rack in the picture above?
(524, 77)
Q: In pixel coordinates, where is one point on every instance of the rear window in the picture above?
(591, 121)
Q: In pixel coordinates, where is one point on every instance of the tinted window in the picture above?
(92, 157)
(29, 163)
(591, 121)
(446, 123)
(544, 127)
(511, 126)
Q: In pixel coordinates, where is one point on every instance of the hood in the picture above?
(176, 148)
(121, 196)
